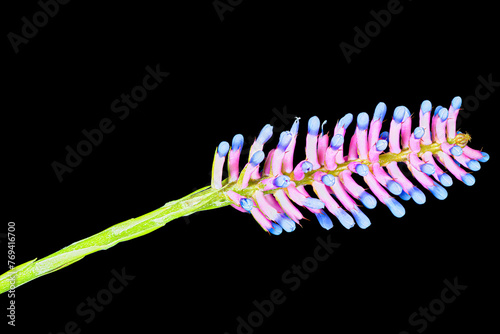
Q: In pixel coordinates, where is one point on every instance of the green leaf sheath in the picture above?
(203, 199)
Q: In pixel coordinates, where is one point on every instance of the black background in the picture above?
(226, 77)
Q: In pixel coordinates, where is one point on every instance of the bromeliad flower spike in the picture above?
(271, 188)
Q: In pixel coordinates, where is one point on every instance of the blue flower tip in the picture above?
(396, 208)
(363, 120)
(313, 126)
(394, 187)
(438, 191)
(257, 158)
(307, 166)
(485, 157)
(346, 120)
(404, 196)
(474, 165)
(428, 169)
(237, 143)
(222, 149)
(443, 114)
(468, 179)
(276, 230)
(286, 223)
(328, 180)
(445, 180)
(324, 220)
(417, 195)
(285, 139)
(381, 145)
(361, 219)
(380, 111)
(362, 170)
(456, 103)
(384, 135)
(337, 141)
(246, 204)
(419, 132)
(265, 134)
(281, 181)
(436, 111)
(344, 218)
(456, 150)
(426, 106)
(399, 114)
(368, 200)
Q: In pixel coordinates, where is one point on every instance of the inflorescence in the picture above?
(272, 192)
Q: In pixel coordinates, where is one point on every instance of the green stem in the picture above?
(202, 199)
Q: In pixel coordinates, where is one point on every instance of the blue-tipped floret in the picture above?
(363, 120)
(445, 180)
(281, 181)
(384, 135)
(307, 166)
(473, 165)
(276, 230)
(456, 102)
(344, 218)
(394, 187)
(436, 111)
(426, 106)
(222, 149)
(286, 223)
(485, 157)
(400, 114)
(438, 191)
(265, 134)
(361, 219)
(419, 132)
(313, 203)
(246, 204)
(285, 139)
(336, 141)
(328, 180)
(313, 126)
(237, 142)
(346, 120)
(417, 195)
(324, 220)
(396, 208)
(380, 111)
(368, 200)
(381, 145)
(428, 168)
(404, 196)
(362, 170)
(257, 158)
(468, 179)
(456, 150)
(443, 114)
